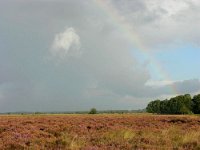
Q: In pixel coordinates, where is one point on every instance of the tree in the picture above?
(186, 107)
(149, 107)
(184, 110)
(196, 104)
(164, 109)
(153, 107)
(93, 111)
(181, 104)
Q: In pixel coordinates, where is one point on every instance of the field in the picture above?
(99, 132)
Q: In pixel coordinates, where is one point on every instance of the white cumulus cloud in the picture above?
(66, 44)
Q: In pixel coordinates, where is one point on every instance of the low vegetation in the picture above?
(100, 132)
(93, 111)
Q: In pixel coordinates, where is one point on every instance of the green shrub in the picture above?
(93, 111)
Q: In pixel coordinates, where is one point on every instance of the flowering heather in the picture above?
(99, 132)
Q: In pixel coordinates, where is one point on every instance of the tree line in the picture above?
(182, 104)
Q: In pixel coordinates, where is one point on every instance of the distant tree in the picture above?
(196, 104)
(153, 107)
(93, 111)
(164, 109)
(149, 107)
(173, 105)
(184, 110)
(186, 104)
(181, 104)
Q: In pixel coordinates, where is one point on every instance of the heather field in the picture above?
(99, 132)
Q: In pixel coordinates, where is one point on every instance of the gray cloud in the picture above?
(173, 88)
(158, 21)
(106, 76)
(187, 86)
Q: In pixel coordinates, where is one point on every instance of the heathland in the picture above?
(100, 131)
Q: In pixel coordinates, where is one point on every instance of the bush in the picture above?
(93, 111)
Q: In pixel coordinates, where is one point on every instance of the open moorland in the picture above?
(99, 132)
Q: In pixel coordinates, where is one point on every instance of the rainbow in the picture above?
(125, 27)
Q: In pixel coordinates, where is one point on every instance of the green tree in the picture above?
(181, 104)
(164, 109)
(153, 107)
(93, 111)
(187, 103)
(196, 104)
(184, 110)
(149, 107)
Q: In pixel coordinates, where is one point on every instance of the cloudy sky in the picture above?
(67, 55)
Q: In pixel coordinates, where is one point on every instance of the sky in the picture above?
(69, 55)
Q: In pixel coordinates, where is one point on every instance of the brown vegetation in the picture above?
(99, 132)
